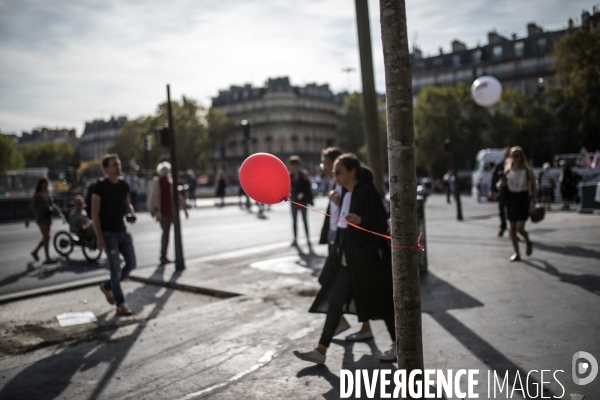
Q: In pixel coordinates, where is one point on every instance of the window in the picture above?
(476, 56)
(497, 51)
(541, 43)
(436, 80)
(541, 64)
(518, 67)
(456, 60)
(519, 47)
(437, 62)
(496, 70)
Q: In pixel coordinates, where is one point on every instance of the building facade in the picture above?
(42, 134)
(285, 120)
(521, 63)
(98, 137)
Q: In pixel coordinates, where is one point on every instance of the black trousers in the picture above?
(338, 295)
(502, 214)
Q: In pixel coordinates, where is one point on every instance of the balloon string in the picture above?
(418, 245)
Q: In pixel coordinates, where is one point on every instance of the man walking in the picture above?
(500, 194)
(110, 201)
(160, 206)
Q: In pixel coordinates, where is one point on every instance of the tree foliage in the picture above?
(191, 136)
(576, 91)
(52, 155)
(520, 121)
(440, 111)
(220, 129)
(10, 158)
(352, 130)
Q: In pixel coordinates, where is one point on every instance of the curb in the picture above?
(62, 287)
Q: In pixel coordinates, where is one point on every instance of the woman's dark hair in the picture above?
(351, 162)
(38, 185)
(367, 174)
(332, 153)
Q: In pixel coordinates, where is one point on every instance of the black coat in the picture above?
(300, 190)
(325, 228)
(368, 259)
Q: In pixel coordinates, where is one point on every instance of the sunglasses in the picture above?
(337, 172)
(516, 155)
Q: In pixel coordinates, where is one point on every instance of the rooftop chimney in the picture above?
(533, 29)
(417, 53)
(441, 51)
(458, 46)
(494, 37)
(585, 18)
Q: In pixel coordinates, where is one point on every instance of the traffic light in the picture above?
(162, 135)
(246, 127)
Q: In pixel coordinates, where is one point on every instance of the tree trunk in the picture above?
(369, 95)
(403, 185)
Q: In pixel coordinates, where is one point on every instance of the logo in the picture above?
(580, 368)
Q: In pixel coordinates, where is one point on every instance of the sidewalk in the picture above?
(479, 312)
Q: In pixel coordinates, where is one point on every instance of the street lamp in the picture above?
(449, 147)
(246, 129)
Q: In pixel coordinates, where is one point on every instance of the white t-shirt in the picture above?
(345, 210)
(334, 210)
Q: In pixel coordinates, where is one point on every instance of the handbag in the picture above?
(536, 212)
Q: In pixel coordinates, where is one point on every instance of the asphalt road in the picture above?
(208, 231)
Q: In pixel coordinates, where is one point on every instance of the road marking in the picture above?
(267, 357)
(305, 331)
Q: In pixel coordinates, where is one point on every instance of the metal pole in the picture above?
(369, 95)
(179, 261)
(459, 215)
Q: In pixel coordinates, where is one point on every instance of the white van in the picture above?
(481, 178)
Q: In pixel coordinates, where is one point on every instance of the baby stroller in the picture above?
(65, 242)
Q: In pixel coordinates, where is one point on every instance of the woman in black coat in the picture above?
(357, 278)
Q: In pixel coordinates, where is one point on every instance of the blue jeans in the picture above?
(295, 219)
(118, 243)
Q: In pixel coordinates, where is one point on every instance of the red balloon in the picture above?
(265, 178)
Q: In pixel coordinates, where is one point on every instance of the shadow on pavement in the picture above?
(588, 282)
(311, 260)
(568, 250)
(437, 298)
(47, 271)
(49, 377)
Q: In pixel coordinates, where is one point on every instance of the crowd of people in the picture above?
(356, 277)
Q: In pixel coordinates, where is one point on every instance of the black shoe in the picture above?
(165, 261)
(501, 232)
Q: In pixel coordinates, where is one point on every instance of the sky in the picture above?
(65, 62)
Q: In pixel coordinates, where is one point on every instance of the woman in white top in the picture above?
(520, 181)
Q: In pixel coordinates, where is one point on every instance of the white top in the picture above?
(517, 180)
(345, 210)
(334, 210)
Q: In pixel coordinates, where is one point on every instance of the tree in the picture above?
(576, 88)
(439, 110)
(191, 135)
(10, 158)
(403, 185)
(353, 127)
(520, 120)
(220, 129)
(52, 155)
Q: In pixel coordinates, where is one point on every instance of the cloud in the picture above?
(63, 63)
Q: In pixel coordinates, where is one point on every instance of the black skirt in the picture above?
(517, 206)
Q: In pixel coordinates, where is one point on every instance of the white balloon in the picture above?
(486, 91)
